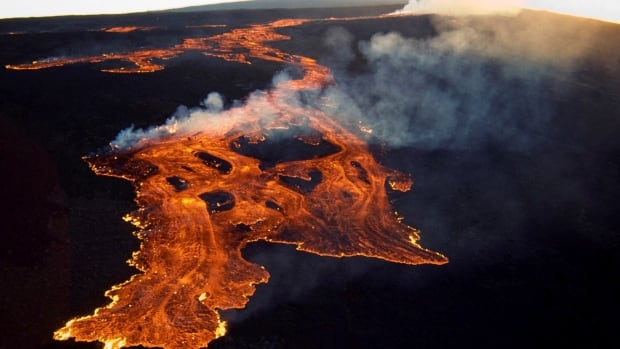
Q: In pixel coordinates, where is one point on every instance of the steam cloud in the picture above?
(209, 115)
(479, 81)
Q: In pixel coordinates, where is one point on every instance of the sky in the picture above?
(608, 10)
(39, 8)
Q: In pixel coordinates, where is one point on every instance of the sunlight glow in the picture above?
(606, 10)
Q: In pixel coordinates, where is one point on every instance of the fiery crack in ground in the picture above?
(204, 196)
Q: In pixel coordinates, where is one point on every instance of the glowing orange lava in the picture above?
(203, 196)
(238, 45)
(142, 61)
(128, 29)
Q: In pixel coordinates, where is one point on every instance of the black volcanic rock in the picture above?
(531, 231)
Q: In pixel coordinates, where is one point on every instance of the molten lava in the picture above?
(141, 59)
(295, 177)
(128, 29)
(238, 45)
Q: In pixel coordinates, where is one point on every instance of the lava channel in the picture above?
(204, 195)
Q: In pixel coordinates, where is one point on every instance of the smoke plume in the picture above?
(209, 115)
(480, 81)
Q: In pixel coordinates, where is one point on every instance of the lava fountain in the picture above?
(204, 193)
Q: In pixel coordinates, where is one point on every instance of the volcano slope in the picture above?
(511, 141)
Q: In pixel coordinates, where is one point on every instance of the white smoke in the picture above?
(480, 81)
(214, 102)
(183, 121)
(211, 117)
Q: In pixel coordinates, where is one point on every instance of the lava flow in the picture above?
(238, 45)
(294, 177)
(128, 29)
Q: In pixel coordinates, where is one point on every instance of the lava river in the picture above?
(204, 195)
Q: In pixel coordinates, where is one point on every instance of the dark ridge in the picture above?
(301, 185)
(218, 201)
(121, 165)
(292, 144)
(214, 162)
(178, 183)
(312, 8)
(272, 205)
(362, 174)
(243, 227)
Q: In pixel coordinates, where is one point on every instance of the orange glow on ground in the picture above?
(202, 198)
(239, 45)
(126, 29)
